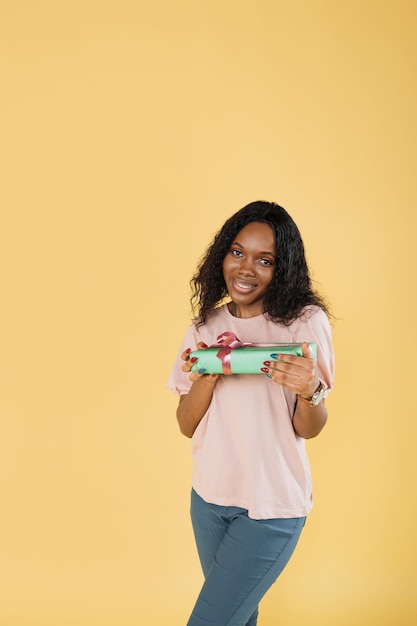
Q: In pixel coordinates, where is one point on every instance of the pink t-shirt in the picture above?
(245, 450)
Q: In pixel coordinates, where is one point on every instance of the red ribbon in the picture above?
(227, 342)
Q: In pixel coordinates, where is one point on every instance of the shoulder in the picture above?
(216, 320)
(313, 313)
(313, 317)
(213, 317)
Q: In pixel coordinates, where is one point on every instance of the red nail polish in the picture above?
(267, 363)
(264, 369)
(194, 359)
(188, 350)
(204, 345)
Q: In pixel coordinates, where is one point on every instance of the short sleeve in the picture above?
(179, 381)
(314, 326)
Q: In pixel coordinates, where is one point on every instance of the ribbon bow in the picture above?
(227, 342)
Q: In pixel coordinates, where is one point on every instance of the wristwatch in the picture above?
(318, 395)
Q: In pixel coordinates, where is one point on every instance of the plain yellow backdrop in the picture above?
(130, 130)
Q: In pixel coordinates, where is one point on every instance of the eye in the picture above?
(235, 252)
(266, 262)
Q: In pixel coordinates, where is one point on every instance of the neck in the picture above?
(242, 313)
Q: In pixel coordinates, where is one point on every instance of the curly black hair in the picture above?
(290, 290)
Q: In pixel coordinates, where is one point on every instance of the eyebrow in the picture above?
(236, 243)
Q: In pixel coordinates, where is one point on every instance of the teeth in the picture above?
(244, 285)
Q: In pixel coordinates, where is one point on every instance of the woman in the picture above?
(251, 488)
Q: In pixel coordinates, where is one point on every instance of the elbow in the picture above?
(317, 430)
(184, 426)
(186, 432)
(312, 434)
(310, 429)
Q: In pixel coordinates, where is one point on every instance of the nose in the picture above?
(247, 267)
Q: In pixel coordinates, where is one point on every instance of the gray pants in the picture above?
(241, 558)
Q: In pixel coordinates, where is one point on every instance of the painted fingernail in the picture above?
(188, 350)
(274, 356)
(204, 345)
(201, 370)
(193, 359)
(264, 369)
(269, 375)
(268, 363)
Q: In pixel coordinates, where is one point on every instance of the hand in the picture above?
(199, 373)
(296, 373)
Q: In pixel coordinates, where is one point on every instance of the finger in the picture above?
(266, 369)
(196, 374)
(292, 359)
(290, 364)
(186, 354)
(186, 367)
(283, 374)
(202, 375)
(307, 354)
(296, 375)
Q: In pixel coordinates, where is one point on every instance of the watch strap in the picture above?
(318, 395)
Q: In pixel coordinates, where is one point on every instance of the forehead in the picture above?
(257, 234)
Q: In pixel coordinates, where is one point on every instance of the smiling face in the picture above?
(248, 268)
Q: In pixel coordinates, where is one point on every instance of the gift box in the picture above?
(231, 356)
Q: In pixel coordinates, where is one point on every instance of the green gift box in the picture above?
(231, 356)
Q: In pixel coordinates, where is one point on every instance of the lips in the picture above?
(242, 285)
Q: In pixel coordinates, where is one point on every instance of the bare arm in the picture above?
(193, 405)
(309, 421)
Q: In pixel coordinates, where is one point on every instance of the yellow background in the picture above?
(130, 130)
